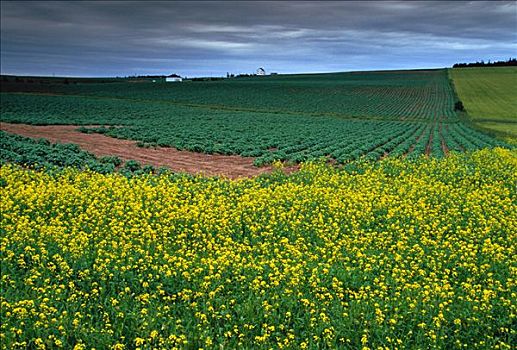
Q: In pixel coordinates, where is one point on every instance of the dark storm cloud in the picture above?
(203, 38)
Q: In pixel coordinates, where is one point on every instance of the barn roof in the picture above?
(173, 76)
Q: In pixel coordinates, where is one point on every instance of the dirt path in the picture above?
(179, 161)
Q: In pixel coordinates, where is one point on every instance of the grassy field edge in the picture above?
(481, 123)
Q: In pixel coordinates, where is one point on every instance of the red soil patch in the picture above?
(445, 149)
(429, 143)
(179, 161)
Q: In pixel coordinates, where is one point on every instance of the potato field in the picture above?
(296, 118)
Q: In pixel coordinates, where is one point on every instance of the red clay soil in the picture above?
(445, 149)
(429, 143)
(179, 161)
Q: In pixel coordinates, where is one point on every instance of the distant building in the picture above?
(261, 71)
(173, 78)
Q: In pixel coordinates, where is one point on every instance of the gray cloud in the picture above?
(202, 38)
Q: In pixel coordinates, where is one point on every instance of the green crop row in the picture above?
(416, 95)
(41, 154)
(407, 113)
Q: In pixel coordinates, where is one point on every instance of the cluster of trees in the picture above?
(510, 62)
(14, 80)
(146, 76)
(207, 79)
(243, 75)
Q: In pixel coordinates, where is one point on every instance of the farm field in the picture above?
(375, 217)
(414, 95)
(490, 96)
(390, 254)
(340, 117)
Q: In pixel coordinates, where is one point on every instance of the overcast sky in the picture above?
(119, 38)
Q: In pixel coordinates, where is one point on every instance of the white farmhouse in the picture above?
(261, 71)
(173, 78)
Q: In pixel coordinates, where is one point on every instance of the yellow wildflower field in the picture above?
(391, 255)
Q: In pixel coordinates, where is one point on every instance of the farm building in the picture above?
(261, 71)
(173, 78)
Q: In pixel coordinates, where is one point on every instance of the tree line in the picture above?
(509, 62)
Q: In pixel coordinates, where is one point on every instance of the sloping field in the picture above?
(391, 255)
(340, 117)
(409, 252)
(489, 95)
(391, 95)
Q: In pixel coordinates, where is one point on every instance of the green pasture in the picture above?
(489, 95)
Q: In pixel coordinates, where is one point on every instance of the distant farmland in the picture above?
(294, 118)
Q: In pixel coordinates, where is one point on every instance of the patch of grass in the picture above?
(489, 96)
(506, 131)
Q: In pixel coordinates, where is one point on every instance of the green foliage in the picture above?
(458, 106)
(41, 154)
(116, 161)
(132, 165)
(490, 97)
(293, 118)
(416, 95)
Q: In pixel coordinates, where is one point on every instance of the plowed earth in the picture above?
(180, 161)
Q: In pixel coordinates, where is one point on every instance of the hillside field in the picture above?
(490, 96)
(340, 117)
(366, 213)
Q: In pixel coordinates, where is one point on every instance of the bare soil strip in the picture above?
(430, 141)
(445, 149)
(178, 161)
